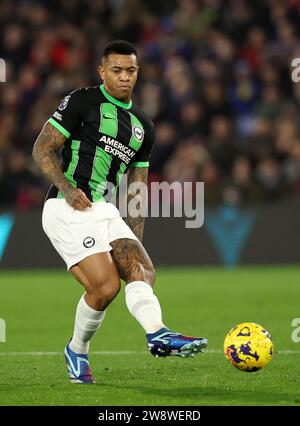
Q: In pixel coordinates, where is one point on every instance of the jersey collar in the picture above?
(115, 101)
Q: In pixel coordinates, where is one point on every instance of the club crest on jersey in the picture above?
(138, 133)
(64, 103)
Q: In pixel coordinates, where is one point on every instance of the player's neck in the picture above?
(123, 100)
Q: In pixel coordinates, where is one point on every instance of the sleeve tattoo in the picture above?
(136, 174)
(49, 141)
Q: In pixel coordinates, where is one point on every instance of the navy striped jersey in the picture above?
(104, 137)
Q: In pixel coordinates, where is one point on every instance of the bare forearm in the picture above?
(135, 198)
(49, 165)
(136, 224)
(44, 154)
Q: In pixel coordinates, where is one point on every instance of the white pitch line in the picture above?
(212, 351)
(61, 353)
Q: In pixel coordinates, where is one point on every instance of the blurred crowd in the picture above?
(215, 78)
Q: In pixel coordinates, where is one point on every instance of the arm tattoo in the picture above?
(136, 174)
(44, 154)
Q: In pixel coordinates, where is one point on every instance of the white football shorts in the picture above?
(78, 234)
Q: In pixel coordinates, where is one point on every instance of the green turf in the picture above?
(39, 308)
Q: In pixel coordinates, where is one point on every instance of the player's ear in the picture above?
(101, 72)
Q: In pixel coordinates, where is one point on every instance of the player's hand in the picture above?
(77, 199)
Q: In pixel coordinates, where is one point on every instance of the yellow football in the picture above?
(248, 346)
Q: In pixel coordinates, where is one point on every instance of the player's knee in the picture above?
(105, 291)
(108, 292)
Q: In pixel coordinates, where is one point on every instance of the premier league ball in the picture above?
(248, 346)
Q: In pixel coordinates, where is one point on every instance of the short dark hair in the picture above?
(122, 47)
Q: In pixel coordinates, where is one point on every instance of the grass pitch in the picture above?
(39, 307)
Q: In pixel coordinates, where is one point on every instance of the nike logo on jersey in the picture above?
(108, 116)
